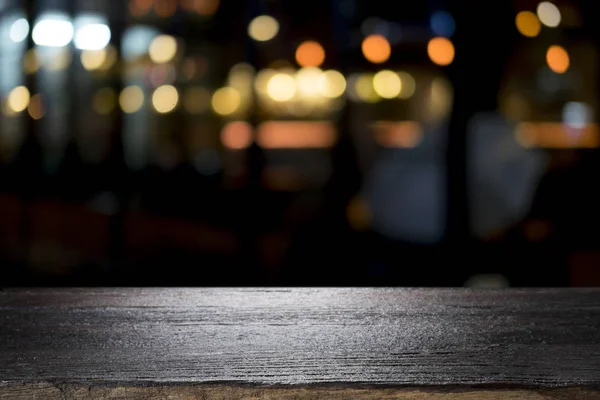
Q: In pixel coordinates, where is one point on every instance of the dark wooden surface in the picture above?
(343, 338)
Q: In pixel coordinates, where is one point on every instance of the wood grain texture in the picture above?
(296, 343)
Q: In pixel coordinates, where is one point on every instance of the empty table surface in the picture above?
(254, 342)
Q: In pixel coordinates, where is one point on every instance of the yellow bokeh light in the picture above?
(226, 101)
(31, 62)
(332, 84)
(93, 59)
(165, 99)
(558, 59)
(262, 80)
(104, 101)
(307, 80)
(163, 49)
(441, 51)
(310, 54)
(131, 99)
(387, 84)
(18, 99)
(364, 89)
(60, 61)
(263, 28)
(196, 100)
(112, 56)
(409, 86)
(376, 49)
(281, 87)
(548, 14)
(528, 24)
(36, 107)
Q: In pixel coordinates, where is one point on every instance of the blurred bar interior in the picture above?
(274, 142)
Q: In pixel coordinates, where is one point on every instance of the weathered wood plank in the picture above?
(296, 343)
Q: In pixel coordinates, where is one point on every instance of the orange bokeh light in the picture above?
(376, 49)
(165, 8)
(558, 59)
(237, 135)
(310, 54)
(441, 51)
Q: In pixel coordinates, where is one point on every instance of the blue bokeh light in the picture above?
(442, 24)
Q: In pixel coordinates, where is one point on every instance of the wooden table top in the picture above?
(256, 343)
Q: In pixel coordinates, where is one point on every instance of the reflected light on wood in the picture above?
(556, 135)
(397, 134)
(296, 134)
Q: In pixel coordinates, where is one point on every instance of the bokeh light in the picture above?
(226, 101)
(18, 99)
(131, 99)
(387, 84)
(31, 62)
(332, 84)
(19, 30)
(442, 24)
(165, 99)
(93, 59)
(558, 59)
(237, 135)
(376, 49)
(163, 49)
(263, 28)
(363, 87)
(440, 51)
(307, 81)
(36, 107)
(409, 86)
(281, 87)
(548, 14)
(528, 24)
(310, 54)
(104, 101)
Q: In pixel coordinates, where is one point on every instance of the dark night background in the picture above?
(119, 167)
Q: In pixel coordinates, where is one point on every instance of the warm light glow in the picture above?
(409, 86)
(104, 101)
(61, 60)
(237, 135)
(557, 135)
(206, 7)
(310, 54)
(93, 59)
(163, 49)
(307, 80)
(332, 84)
(281, 87)
(558, 59)
(19, 30)
(376, 49)
(364, 89)
(226, 101)
(358, 214)
(31, 63)
(528, 24)
(196, 100)
(36, 107)
(92, 37)
(262, 79)
(548, 14)
(131, 99)
(165, 8)
(18, 99)
(387, 84)
(441, 51)
(401, 134)
(53, 31)
(111, 59)
(165, 99)
(295, 134)
(263, 28)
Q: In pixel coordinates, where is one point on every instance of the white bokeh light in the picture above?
(53, 30)
(19, 30)
(92, 37)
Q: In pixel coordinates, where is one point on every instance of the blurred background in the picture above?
(273, 142)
